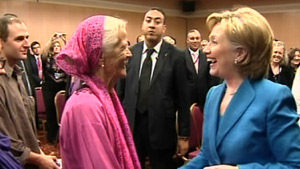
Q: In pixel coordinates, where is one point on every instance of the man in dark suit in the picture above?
(152, 97)
(199, 79)
(34, 65)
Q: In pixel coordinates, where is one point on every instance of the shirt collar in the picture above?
(9, 70)
(191, 51)
(156, 47)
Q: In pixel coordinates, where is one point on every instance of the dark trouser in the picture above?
(159, 158)
(52, 126)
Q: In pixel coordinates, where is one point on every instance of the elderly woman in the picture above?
(94, 130)
(279, 72)
(249, 122)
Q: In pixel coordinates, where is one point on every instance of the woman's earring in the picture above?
(236, 61)
(102, 63)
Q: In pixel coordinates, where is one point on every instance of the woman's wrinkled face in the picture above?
(117, 60)
(277, 55)
(220, 52)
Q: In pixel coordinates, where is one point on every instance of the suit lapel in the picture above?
(162, 56)
(236, 108)
(136, 62)
(189, 62)
(202, 64)
(213, 121)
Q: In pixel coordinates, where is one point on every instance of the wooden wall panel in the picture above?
(285, 27)
(43, 19)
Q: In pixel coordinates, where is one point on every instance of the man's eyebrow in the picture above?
(21, 37)
(157, 18)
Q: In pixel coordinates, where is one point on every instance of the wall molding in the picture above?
(293, 7)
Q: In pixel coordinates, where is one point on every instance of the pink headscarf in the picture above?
(79, 58)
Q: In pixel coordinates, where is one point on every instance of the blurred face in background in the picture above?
(56, 48)
(204, 43)
(193, 40)
(296, 60)
(277, 55)
(36, 49)
(169, 40)
(140, 38)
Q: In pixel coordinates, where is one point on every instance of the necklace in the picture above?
(233, 93)
(230, 94)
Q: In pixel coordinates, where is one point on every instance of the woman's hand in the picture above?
(222, 167)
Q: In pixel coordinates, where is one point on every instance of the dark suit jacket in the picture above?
(33, 71)
(285, 76)
(167, 95)
(258, 130)
(200, 83)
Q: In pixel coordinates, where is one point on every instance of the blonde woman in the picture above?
(249, 122)
(279, 70)
(54, 80)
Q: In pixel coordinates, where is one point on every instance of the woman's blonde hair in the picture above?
(48, 51)
(247, 28)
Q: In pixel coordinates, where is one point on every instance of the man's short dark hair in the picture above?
(4, 22)
(34, 43)
(159, 10)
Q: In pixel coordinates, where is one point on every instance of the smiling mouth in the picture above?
(211, 61)
(125, 64)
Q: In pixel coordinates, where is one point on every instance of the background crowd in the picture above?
(129, 105)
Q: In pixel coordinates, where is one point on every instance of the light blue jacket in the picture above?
(258, 130)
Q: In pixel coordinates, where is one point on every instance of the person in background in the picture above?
(250, 122)
(294, 58)
(34, 65)
(170, 39)
(204, 43)
(140, 38)
(197, 67)
(94, 130)
(152, 92)
(16, 107)
(54, 81)
(279, 70)
(35, 72)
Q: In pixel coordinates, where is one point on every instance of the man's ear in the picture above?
(241, 53)
(164, 28)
